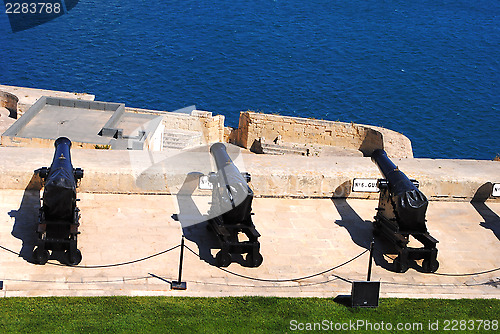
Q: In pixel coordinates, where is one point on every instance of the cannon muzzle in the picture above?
(226, 167)
(398, 182)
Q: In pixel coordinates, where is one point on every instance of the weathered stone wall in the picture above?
(166, 172)
(9, 101)
(211, 126)
(365, 138)
(252, 126)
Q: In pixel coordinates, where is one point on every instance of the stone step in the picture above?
(181, 139)
(178, 146)
(281, 149)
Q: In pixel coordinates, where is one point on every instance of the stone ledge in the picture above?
(272, 176)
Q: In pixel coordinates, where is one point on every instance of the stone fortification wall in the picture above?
(254, 126)
(211, 126)
(166, 172)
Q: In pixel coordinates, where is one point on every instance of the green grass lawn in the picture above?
(235, 315)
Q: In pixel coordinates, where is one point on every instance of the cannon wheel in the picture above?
(223, 258)
(400, 266)
(254, 261)
(73, 258)
(41, 256)
(430, 266)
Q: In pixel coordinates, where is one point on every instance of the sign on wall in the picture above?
(365, 185)
(496, 190)
(204, 183)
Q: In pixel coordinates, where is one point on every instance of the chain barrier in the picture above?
(103, 265)
(442, 274)
(491, 282)
(291, 279)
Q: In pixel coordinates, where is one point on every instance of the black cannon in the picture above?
(232, 210)
(59, 216)
(401, 213)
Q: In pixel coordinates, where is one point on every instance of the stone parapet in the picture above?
(272, 176)
(440, 179)
(365, 138)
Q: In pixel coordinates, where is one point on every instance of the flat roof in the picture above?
(83, 121)
(78, 124)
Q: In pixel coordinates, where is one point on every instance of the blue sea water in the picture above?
(428, 68)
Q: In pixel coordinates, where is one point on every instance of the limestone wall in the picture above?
(166, 172)
(211, 126)
(365, 138)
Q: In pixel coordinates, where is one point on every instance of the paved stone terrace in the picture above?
(299, 237)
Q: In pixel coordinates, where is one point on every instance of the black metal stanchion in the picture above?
(369, 276)
(179, 284)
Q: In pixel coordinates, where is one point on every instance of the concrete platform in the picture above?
(300, 237)
(86, 123)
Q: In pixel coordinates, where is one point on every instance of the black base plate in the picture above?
(178, 285)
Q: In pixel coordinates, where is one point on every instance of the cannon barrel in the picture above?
(235, 196)
(410, 203)
(398, 181)
(59, 194)
(225, 165)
